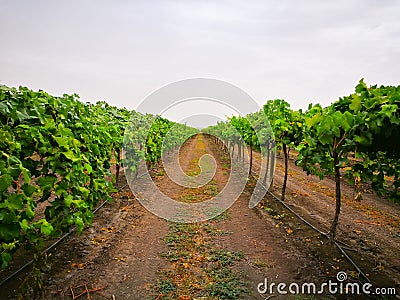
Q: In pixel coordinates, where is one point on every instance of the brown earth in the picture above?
(127, 254)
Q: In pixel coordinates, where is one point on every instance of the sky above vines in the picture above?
(121, 51)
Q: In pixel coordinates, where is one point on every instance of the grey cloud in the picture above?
(121, 51)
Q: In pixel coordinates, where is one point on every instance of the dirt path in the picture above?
(129, 253)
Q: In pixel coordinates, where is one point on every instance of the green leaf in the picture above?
(28, 189)
(347, 121)
(26, 174)
(79, 224)
(24, 225)
(69, 200)
(361, 86)
(5, 182)
(16, 201)
(371, 102)
(5, 259)
(62, 142)
(362, 140)
(46, 228)
(389, 109)
(70, 155)
(89, 168)
(315, 119)
(85, 192)
(22, 115)
(30, 213)
(326, 139)
(47, 182)
(4, 109)
(355, 104)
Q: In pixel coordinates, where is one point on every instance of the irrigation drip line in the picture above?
(294, 212)
(352, 262)
(62, 238)
(316, 229)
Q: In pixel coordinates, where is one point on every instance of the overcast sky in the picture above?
(121, 51)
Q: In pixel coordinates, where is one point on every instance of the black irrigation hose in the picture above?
(294, 212)
(54, 244)
(316, 229)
